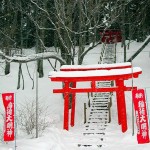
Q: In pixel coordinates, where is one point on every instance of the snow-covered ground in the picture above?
(54, 137)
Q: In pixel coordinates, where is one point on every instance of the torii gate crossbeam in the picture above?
(117, 75)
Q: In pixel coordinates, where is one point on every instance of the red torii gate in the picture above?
(100, 73)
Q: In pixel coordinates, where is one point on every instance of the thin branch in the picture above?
(30, 76)
(52, 65)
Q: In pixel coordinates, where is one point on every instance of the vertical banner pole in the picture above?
(132, 102)
(132, 119)
(15, 121)
(147, 106)
(37, 99)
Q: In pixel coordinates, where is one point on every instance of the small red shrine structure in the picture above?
(111, 36)
(93, 73)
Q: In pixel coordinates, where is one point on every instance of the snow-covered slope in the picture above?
(54, 137)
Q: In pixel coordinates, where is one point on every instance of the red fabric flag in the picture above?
(8, 101)
(141, 116)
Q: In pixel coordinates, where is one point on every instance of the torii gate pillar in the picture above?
(73, 105)
(121, 105)
(66, 105)
(110, 74)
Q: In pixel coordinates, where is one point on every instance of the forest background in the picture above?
(64, 25)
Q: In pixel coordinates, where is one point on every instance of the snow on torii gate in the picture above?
(92, 73)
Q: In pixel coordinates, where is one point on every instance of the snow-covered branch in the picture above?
(34, 57)
(147, 40)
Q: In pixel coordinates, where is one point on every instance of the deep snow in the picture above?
(54, 137)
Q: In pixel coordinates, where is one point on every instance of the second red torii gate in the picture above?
(117, 75)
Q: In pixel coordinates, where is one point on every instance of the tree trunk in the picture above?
(7, 65)
(81, 48)
(40, 40)
(123, 31)
(7, 68)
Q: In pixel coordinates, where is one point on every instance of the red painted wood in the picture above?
(93, 86)
(120, 88)
(118, 104)
(66, 106)
(86, 90)
(73, 105)
(122, 107)
(96, 78)
(111, 36)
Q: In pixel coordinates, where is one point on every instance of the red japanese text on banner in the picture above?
(8, 101)
(141, 116)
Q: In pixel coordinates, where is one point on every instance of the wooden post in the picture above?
(73, 105)
(91, 87)
(66, 105)
(84, 112)
(109, 109)
(123, 106)
(89, 103)
(118, 103)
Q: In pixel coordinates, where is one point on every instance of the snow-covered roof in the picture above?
(95, 66)
(95, 73)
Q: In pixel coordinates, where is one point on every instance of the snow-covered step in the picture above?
(104, 85)
(100, 100)
(99, 109)
(98, 122)
(100, 103)
(90, 146)
(98, 116)
(93, 129)
(91, 142)
(96, 103)
(101, 112)
(104, 102)
(104, 81)
(94, 110)
(96, 119)
(102, 93)
(94, 133)
(102, 97)
(96, 126)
